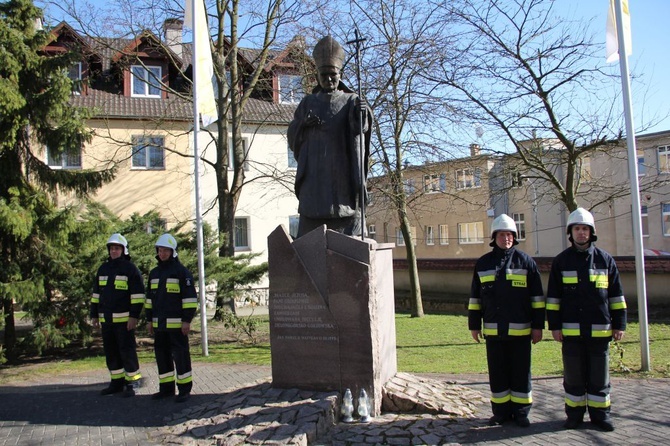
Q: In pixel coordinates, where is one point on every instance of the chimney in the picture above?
(475, 150)
(173, 35)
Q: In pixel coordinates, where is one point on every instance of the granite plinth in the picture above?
(332, 321)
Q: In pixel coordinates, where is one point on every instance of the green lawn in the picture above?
(442, 344)
(432, 344)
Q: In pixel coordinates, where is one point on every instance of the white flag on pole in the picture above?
(202, 57)
(611, 40)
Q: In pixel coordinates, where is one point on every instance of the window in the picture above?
(641, 167)
(399, 240)
(408, 185)
(644, 214)
(74, 74)
(148, 152)
(664, 159)
(471, 232)
(145, 81)
(444, 234)
(430, 235)
(292, 162)
(291, 90)
(158, 226)
(241, 235)
(468, 178)
(64, 160)
(386, 232)
(516, 179)
(520, 222)
(293, 222)
(434, 183)
(372, 232)
(665, 207)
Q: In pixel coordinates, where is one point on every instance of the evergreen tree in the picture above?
(35, 114)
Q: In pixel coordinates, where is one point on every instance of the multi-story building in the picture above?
(142, 127)
(448, 203)
(452, 204)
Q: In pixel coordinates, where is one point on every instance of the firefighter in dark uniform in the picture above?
(586, 309)
(116, 304)
(507, 295)
(171, 305)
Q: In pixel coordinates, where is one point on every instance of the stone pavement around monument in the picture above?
(234, 404)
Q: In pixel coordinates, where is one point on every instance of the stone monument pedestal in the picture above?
(332, 314)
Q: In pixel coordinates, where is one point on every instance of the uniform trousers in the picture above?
(509, 375)
(120, 353)
(586, 378)
(172, 352)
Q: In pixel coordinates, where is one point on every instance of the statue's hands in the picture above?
(362, 104)
(311, 120)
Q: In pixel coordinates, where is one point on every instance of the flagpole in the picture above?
(634, 189)
(196, 163)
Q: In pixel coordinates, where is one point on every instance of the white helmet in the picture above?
(118, 239)
(581, 216)
(503, 222)
(167, 241)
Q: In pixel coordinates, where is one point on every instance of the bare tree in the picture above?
(539, 82)
(403, 38)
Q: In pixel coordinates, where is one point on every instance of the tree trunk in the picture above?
(226, 224)
(416, 304)
(10, 328)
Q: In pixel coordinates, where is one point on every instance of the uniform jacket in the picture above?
(171, 296)
(585, 297)
(506, 294)
(118, 292)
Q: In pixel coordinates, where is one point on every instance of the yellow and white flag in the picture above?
(611, 40)
(203, 88)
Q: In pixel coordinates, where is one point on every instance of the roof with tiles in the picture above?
(113, 105)
(116, 106)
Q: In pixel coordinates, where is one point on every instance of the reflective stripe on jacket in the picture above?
(118, 292)
(585, 297)
(506, 294)
(171, 296)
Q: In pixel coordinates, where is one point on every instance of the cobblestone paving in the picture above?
(67, 410)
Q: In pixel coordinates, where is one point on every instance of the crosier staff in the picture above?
(358, 40)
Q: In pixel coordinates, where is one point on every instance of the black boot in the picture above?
(164, 391)
(116, 386)
(131, 388)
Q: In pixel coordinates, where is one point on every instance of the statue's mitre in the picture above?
(328, 53)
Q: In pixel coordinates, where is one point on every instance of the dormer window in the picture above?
(291, 90)
(146, 81)
(74, 73)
